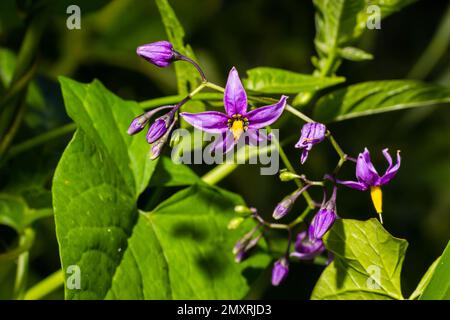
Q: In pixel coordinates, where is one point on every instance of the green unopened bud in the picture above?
(235, 223)
(286, 175)
(243, 210)
(303, 98)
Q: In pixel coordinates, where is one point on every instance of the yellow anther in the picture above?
(377, 199)
(237, 129)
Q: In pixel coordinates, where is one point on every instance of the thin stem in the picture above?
(215, 87)
(22, 265)
(153, 103)
(300, 218)
(41, 139)
(299, 114)
(195, 64)
(45, 286)
(336, 146)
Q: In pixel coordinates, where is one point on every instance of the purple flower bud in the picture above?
(159, 53)
(159, 144)
(244, 246)
(286, 204)
(307, 249)
(312, 133)
(138, 124)
(324, 219)
(156, 130)
(280, 271)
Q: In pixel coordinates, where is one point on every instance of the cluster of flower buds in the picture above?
(160, 54)
(309, 242)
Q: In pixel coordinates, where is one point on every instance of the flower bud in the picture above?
(287, 203)
(138, 124)
(243, 210)
(159, 53)
(324, 219)
(286, 175)
(235, 223)
(156, 130)
(280, 271)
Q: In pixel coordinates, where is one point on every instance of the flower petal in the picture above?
(209, 121)
(354, 185)
(391, 170)
(365, 171)
(223, 143)
(235, 97)
(255, 136)
(265, 116)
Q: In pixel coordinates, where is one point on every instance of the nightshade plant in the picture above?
(205, 242)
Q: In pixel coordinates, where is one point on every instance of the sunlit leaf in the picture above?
(378, 96)
(367, 262)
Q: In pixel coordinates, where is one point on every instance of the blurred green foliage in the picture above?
(245, 34)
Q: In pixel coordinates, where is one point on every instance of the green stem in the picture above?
(46, 286)
(435, 50)
(301, 217)
(40, 139)
(336, 146)
(22, 265)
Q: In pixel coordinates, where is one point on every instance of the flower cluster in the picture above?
(309, 243)
(239, 123)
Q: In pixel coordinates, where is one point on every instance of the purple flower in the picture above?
(324, 219)
(159, 53)
(280, 271)
(312, 133)
(286, 204)
(306, 248)
(368, 176)
(236, 120)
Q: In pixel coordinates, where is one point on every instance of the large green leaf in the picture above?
(340, 22)
(272, 80)
(367, 262)
(182, 249)
(438, 286)
(187, 75)
(378, 96)
(170, 174)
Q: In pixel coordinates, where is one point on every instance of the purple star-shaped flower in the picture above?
(306, 248)
(312, 133)
(368, 177)
(236, 120)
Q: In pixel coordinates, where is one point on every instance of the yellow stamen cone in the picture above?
(237, 129)
(377, 199)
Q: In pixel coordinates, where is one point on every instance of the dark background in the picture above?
(247, 34)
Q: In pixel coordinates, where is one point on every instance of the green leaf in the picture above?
(182, 249)
(340, 22)
(367, 262)
(15, 213)
(187, 75)
(170, 174)
(373, 97)
(438, 286)
(424, 281)
(354, 54)
(272, 80)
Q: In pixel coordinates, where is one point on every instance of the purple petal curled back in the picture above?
(235, 97)
(280, 271)
(209, 121)
(312, 133)
(321, 223)
(391, 170)
(354, 184)
(159, 53)
(265, 116)
(306, 249)
(156, 130)
(365, 171)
